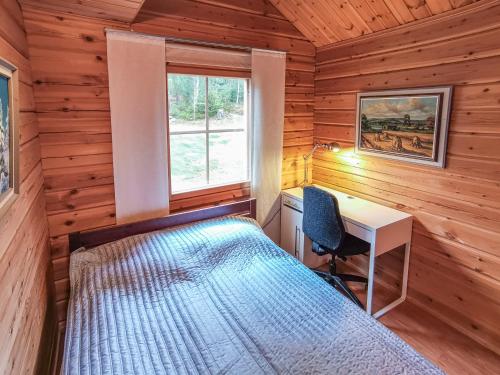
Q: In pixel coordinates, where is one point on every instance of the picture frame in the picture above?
(406, 124)
(9, 135)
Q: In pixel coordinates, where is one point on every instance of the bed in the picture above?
(217, 297)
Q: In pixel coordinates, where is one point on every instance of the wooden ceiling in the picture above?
(119, 10)
(329, 21)
(323, 22)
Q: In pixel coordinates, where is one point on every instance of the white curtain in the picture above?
(268, 113)
(137, 88)
(177, 53)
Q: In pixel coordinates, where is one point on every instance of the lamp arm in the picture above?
(334, 146)
(315, 147)
(306, 166)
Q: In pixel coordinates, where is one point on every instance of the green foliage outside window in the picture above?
(187, 96)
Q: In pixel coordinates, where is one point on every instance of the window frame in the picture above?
(207, 131)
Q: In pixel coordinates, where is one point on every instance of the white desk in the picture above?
(383, 227)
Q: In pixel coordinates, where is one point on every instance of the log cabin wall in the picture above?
(26, 310)
(455, 259)
(72, 101)
(70, 80)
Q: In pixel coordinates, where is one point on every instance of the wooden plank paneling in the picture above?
(231, 34)
(456, 240)
(71, 178)
(121, 10)
(72, 100)
(12, 32)
(219, 15)
(79, 199)
(325, 22)
(27, 308)
(82, 219)
(207, 197)
(432, 30)
(477, 46)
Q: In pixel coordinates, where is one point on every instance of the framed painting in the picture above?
(409, 125)
(9, 136)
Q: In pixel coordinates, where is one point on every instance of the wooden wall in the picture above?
(118, 10)
(68, 57)
(72, 101)
(24, 256)
(455, 260)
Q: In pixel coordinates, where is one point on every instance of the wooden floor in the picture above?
(451, 350)
(454, 352)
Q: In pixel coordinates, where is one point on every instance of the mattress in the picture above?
(217, 297)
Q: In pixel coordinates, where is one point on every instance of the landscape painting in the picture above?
(5, 134)
(407, 126)
(9, 143)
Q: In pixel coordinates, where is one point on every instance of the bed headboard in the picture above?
(94, 238)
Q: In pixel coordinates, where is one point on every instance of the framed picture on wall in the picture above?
(9, 136)
(409, 125)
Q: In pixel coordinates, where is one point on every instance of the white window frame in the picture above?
(207, 131)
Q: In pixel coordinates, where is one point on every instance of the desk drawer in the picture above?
(296, 204)
(358, 231)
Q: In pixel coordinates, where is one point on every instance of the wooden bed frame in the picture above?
(94, 238)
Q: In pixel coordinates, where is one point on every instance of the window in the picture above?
(208, 131)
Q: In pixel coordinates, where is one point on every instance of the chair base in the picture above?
(353, 278)
(338, 283)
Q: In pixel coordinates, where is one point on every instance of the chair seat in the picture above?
(353, 246)
(350, 246)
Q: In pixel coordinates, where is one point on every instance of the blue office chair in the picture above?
(323, 224)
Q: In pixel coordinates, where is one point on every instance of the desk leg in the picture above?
(404, 286)
(371, 273)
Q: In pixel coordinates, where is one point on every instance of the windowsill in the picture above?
(211, 189)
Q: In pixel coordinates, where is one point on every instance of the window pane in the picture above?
(186, 102)
(188, 161)
(225, 106)
(228, 157)
(226, 103)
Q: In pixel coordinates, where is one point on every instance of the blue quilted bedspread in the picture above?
(218, 297)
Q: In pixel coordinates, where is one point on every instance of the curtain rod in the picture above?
(173, 39)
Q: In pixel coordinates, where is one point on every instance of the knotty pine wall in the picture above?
(68, 56)
(455, 259)
(25, 308)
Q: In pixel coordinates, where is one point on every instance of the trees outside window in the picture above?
(208, 130)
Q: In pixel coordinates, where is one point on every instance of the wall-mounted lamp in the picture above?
(334, 147)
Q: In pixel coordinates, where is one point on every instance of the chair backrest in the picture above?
(321, 221)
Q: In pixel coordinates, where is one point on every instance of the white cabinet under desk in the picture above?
(383, 227)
